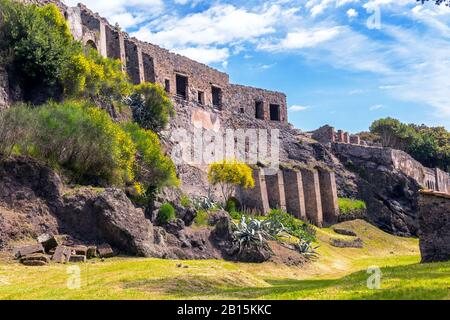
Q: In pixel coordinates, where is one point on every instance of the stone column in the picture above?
(340, 136)
(276, 191)
(257, 197)
(141, 65)
(313, 202)
(328, 194)
(102, 40)
(295, 198)
(346, 137)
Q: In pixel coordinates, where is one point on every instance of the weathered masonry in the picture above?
(434, 224)
(182, 78)
(308, 194)
(431, 179)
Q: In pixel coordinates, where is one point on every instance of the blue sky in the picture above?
(340, 62)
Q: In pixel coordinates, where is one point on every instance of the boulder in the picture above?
(253, 253)
(62, 254)
(34, 257)
(28, 250)
(48, 241)
(91, 252)
(121, 224)
(34, 263)
(105, 251)
(174, 227)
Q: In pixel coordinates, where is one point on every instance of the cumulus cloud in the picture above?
(297, 108)
(352, 13)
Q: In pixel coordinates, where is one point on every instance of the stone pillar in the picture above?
(328, 194)
(355, 139)
(346, 137)
(141, 65)
(74, 21)
(295, 198)
(340, 136)
(313, 202)
(276, 191)
(102, 49)
(257, 197)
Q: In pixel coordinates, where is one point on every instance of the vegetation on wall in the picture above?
(151, 106)
(84, 140)
(428, 145)
(351, 206)
(36, 46)
(73, 134)
(229, 175)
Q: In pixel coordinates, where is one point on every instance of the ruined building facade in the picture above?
(182, 78)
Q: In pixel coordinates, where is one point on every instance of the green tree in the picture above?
(151, 106)
(36, 45)
(229, 175)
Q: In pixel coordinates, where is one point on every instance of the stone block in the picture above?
(76, 258)
(48, 241)
(62, 254)
(295, 198)
(28, 250)
(105, 251)
(434, 225)
(91, 252)
(313, 201)
(35, 257)
(79, 250)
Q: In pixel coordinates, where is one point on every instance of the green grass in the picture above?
(337, 274)
(351, 206)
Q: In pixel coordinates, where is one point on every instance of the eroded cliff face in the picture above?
(391, 195)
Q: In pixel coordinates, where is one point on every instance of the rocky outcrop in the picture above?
(434, 226)
(390, 195)
(4, 89)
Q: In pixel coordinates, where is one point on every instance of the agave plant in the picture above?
(307, 249)
(254, 232)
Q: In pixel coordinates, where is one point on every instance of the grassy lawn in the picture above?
(338, 274)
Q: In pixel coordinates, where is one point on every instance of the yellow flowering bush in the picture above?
(229, 175)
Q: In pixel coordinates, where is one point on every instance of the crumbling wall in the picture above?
(434, 222)
(243, 100)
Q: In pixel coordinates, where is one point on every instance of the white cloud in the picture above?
(352, 13)
(297, 108)
(376, 107)
(221, 24)
(205, 55)
(302, 38)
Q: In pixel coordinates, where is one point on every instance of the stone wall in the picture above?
(434, 222)
(308, 194)
(433, 179)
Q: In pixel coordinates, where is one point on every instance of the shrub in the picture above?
(166, 214)
(92, 76)
(75, 136)
(201, 219)
(152, 168)
(292, 225)
(351, 206)
(37, 44)
(229, 175)
(151, 106)
(232, 205)
(185, 201)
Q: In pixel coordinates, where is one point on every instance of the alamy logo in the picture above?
(74, 278)
(374, 280)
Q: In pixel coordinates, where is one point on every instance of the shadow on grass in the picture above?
(402, 282)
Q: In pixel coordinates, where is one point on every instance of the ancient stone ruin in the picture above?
(434, 223)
